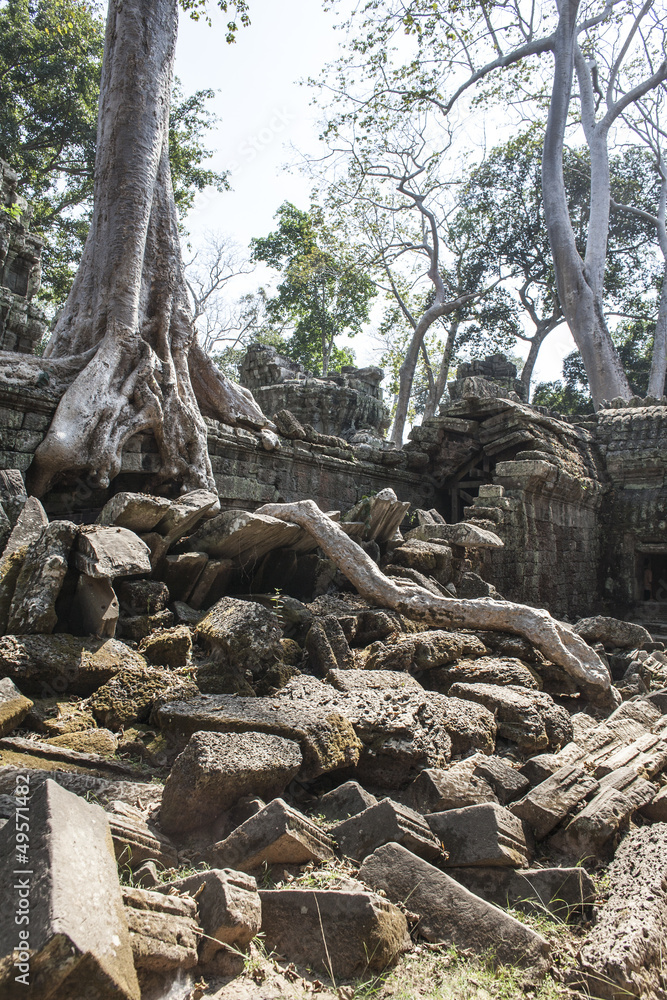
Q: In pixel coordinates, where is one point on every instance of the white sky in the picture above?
(264, 112)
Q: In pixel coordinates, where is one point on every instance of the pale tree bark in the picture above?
(128, 317)
(557, 641)
(440, 382)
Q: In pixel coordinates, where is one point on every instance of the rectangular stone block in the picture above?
(78, 943)
(387, 821)
(549, 803)
(164, 931)
(486, 834)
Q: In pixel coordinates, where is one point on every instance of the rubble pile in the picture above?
(196, 709)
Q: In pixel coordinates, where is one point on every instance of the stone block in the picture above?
(485, 834)
(507, 782)
(130, 695)
(386, 821)
(327, 647)
(449, 913)
(29, 526)
(78, 943)
(436, 789)
(181, 573)
(186, 513)
(213, 582)
(340, 933)
(13, 706)
(95, 608)
(32, 610)
(106, 552)
(230, 910)
(244, 537)
(143, 597)
(53, 664)
(137, 511)
(277, 834)
(561, 891)
(217, 769)
(656, 809)
(340, 803)
(169, 647)
(529, 718)
(135, 842)
(163, 930)
(548, 803)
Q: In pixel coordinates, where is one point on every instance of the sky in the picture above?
(266, 119)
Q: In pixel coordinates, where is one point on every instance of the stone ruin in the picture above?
(22, 321)
(214, 736)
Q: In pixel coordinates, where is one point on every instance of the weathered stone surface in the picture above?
(32, 610)
(612, 632)
(29, 526)
(340, 803)
(137, 511)
(656, 809)
(466, 535)
(485, 670)
(99, 741)
(106, 552)
(106, 790)
(425, 557)
(548, 803)
(339, 933)
(277, 834)
(28, 751)
(216, 769)
(470, 725)
(507, 782)
(52, 664)
(484, 834)
(437, 789)
(245, 537)
(425, 650)
(448, 912)
(181, 573)
(13, 706)
(143, 597)
(138, 627)
(561, 891)
(186, 513)
(327, 647)
(168, 647)
(95, 608)
(131, 694)
(136, 842)
(622, 956)
(386, 821)
(327, 740)
(230, 910)
(78, 943)
(242, 634)
(163, 930)
(213, 582)
(529, 718)
(372, 680)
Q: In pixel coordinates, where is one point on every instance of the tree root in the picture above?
(557, 641)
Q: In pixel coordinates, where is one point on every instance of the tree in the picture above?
(448, 50)
(126, 334)
(50, 65)
(323, 293)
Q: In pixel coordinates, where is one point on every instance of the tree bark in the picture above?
(441, 381)
(129, 307)
(557, 641)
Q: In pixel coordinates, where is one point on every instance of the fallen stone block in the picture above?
(136, 511)
(437, 789)
(29, 526)
(507, 782)
(14, 706)
(230, 911)
(277, 834)
(164, 931)
(99, 741)
(340, 803)
(106, 552)
(130, 695)
(386, 821)
(143, 597)
(612, 632)
(486, 834)
(137, 627)
(106, 790)
(623, 954)
(470, 726)
(549, 803)
(29, 751)
(170, 647)
(212, 583)
(561, 891)
(77, 942)
(449, 913)
(48, 665)
(372, 680)
(181, 573)
(647, 754)
(340, 933)
(529, 718)
(40, 579)
(95, 609)
(244, 537)
(484, 670)
(216, 769)
(537, 769)
(186, 513)
(327, 647)
(656, 809)
(135, 842)
(242, 634)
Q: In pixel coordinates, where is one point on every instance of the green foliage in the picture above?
(199, 9)
(323, 293)
(189, 120)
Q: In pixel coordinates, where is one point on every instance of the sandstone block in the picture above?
(168, 647)
(136, 511)
(485, 834)
(106, 552)
(612, 632)
(95, 608)
(39, 581)
(561, 891)
(13, 706)
(53, 664)
(186, 513)
(529, 718)
(143, 597)
(549, 802)
(163, 930)
(386, 821)
(345, 801)
(130, 695)
(437, 789)
(507, 782)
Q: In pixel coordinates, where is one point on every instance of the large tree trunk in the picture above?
(557, 641)
(656, 379)
(579, 282)
(128, 316)
(441, 381)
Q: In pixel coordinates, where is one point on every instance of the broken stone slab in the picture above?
(230, 910)
(423, 650)
(53, 664)
(656, 809)
(372, 680)
(537, 769)
(340, 803)
(561, 891)
(186, 513)
(143, 597)
(327, 740)
(623, 954)
(136, 842)
(99, 741)
(386, 821)
(133, 692)
(327, 647)
(449, 913)
(466, 535)
(242, 634)
(381, 515)
(106, 552)
(106, 791)
(622, 793)
(29, 526)
(78, 943)
(213, 582)
(181, 573)
(648, 753)
(643, 710)
(277, 834)
(164, 931)
(138, 512)
(612, 632)
(507, 782)
(546, 805)
(484, 670)
(138, 627)
(169, 647)
(242, 536)
(32, 610)
(484, 834)
(438, 789)
(14, 706)
(340, 933)
(18, 746)
(217, 769)
(95, 609)
(530, 719)
(470, 725)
